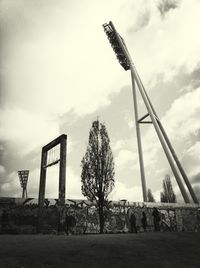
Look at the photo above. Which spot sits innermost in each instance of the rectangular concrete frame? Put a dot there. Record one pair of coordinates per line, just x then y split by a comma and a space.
62, 140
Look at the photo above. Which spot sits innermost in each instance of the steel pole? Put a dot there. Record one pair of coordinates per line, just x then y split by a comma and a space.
23, 193
182, 171
152, 115
160, 136
139, 143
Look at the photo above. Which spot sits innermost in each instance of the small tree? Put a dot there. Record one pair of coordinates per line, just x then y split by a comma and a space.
150, 197
98, 169
168, 195
197, 192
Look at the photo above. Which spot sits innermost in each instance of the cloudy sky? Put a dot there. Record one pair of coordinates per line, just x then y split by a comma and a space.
58, 73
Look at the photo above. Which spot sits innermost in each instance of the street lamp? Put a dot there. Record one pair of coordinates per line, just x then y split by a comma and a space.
126, 62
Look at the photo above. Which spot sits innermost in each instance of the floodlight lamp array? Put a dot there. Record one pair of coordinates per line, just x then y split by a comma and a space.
23, 177
112, 37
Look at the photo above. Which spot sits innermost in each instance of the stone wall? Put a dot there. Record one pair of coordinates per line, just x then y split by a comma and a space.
80, 216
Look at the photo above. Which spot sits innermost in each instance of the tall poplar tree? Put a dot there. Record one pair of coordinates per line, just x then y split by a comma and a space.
98, 169
168, 195
150, 196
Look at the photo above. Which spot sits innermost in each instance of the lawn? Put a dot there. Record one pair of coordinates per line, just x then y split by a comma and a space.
105, 251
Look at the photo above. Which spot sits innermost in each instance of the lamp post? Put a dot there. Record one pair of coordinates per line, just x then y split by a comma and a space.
125, 60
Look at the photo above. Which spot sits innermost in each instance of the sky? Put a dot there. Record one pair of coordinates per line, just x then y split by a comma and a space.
58, 74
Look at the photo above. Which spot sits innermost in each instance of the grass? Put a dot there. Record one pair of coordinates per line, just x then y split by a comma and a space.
105, 251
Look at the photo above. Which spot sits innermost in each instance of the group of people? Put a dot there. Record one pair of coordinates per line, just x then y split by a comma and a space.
156, 221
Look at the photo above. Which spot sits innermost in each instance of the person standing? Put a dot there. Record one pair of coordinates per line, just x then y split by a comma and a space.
70, 223
144, 221
156, 219
133, 223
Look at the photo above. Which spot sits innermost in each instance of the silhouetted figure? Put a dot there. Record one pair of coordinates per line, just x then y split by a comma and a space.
165, 223
133, 223
70, 223
144, 221
4, 220
156, 219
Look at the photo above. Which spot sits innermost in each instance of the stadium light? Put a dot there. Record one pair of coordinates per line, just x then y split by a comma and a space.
124, 58
23, 178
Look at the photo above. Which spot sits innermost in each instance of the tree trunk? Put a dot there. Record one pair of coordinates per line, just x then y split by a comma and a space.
101, 219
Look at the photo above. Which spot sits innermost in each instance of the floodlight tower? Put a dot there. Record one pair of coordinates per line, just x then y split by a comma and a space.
125, 60
23, 178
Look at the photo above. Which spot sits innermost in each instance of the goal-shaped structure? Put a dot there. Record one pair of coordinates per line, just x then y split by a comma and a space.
62, 140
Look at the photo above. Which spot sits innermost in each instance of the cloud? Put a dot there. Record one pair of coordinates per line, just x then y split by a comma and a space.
11, 187
172, 43
50, 65
197, 191
194, 150
2, 169
122, 192
183, 115
118, 145
142, 20
73, 184
191, 159
25, 130
165, 6
196, 178
125, 157
40, 64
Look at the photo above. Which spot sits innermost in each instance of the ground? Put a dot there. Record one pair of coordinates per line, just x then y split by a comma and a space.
105, 251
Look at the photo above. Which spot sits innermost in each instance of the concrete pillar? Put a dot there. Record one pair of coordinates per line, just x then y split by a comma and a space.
42, 178
62, 171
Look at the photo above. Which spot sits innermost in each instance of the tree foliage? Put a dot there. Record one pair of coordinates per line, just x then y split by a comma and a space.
150, 197
196, 189
168, 195
98, 169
